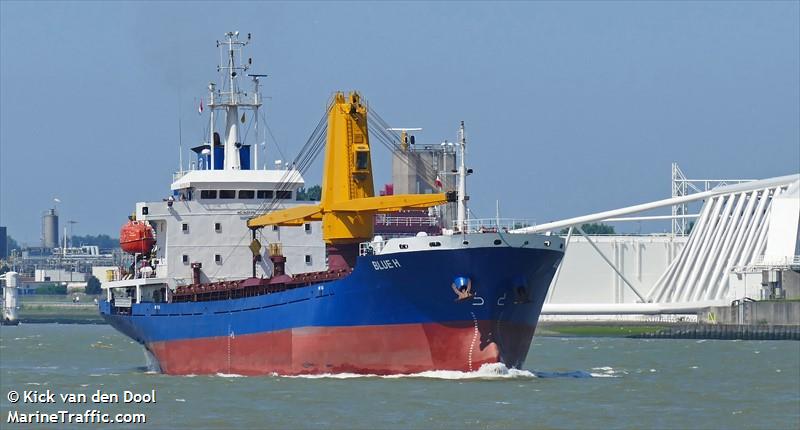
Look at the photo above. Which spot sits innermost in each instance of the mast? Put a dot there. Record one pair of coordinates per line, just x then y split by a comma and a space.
462, 182
211, 105
232, 100
180, 144
258, 138
257, 103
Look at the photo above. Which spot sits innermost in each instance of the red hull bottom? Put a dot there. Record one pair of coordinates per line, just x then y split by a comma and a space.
384, 349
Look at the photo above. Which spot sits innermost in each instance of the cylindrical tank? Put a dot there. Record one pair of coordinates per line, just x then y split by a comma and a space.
50, 229
10, 292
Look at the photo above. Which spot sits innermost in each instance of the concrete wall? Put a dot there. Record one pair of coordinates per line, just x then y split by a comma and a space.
791, 284
772, 313
586, 278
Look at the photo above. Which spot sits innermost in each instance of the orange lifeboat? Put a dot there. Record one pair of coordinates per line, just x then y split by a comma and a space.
136, 237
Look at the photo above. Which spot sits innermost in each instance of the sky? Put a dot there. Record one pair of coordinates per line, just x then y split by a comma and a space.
570, 107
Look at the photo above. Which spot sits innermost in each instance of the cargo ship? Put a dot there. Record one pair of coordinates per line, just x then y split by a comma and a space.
232, 274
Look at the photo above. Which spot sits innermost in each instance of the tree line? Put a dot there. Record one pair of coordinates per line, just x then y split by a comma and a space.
593, 228
102, 241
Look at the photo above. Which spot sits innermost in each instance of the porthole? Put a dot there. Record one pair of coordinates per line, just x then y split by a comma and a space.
498, 241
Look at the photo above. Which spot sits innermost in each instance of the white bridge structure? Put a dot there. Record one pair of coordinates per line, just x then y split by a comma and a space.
744, 227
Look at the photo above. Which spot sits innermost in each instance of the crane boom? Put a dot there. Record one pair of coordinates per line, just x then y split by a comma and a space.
348, 202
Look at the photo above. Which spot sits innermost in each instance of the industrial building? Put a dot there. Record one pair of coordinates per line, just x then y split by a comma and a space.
586, 278
57, 262
425, 169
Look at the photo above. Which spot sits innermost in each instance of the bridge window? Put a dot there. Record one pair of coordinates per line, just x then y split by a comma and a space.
264, 194
208, 194
362, 160
227, 194
247, 194
283, 195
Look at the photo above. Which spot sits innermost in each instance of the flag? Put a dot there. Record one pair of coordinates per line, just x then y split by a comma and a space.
200, 107
438, 182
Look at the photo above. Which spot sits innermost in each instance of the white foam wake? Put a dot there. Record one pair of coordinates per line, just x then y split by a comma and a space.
607, 372
229, 375
487, 371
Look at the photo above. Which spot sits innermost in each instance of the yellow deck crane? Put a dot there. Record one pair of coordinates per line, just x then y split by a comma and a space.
348, 202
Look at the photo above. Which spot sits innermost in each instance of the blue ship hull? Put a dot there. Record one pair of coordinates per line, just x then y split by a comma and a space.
396, 313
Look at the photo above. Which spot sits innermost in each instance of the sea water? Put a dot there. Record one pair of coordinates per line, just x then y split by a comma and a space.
567, 383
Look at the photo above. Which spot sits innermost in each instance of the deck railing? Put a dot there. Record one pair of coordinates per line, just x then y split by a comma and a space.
493, 225
406, 221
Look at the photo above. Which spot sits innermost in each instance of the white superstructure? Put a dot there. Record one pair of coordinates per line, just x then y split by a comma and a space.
207, 224
200, 228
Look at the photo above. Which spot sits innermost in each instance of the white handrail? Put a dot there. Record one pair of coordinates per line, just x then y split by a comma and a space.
600, 216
